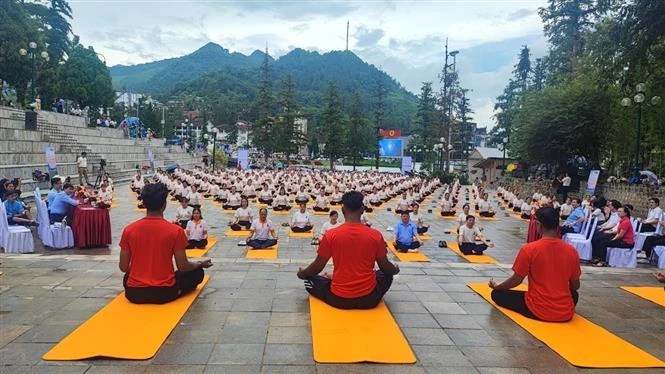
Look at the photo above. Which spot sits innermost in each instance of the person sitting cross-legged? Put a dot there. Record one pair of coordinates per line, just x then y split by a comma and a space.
16, 214
553, 269
281, 202
484, 208
321, 202
266, 195
183, 213
148, 248
331, 224
197, 231
467, 236
403, 205
406, 235
234, 200
417, 218
300, 221
262, 232
243, 217
354, 248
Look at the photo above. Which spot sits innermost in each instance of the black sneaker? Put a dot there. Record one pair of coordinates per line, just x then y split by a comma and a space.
442, 244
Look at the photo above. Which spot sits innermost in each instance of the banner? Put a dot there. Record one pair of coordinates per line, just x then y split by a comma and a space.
593, 180
50, 161
390, 134
151, 158
407, 164
243, 158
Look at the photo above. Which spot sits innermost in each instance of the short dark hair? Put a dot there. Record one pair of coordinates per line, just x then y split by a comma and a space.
10, 193
154, 196
353, 201
84, 154
333, 213
548, 217
615, 204
67, 185
655, 200
55, 180
470, 216
577, 199
263, 210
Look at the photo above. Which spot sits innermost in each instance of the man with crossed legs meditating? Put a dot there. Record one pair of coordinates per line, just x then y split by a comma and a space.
147, 249
262, 232
553, 268
354, 249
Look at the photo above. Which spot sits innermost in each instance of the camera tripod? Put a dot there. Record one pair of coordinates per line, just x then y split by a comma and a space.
100, 177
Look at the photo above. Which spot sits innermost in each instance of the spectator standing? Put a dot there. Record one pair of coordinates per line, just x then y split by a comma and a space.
82, 164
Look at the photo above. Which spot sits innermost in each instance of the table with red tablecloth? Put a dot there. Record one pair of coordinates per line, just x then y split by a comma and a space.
91, 227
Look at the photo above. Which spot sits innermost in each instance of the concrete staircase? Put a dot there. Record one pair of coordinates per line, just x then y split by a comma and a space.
22, 151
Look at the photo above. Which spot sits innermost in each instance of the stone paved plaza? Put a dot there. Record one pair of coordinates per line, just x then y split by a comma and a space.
253, 316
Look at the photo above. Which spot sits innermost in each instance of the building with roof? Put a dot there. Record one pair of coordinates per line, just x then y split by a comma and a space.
487, 163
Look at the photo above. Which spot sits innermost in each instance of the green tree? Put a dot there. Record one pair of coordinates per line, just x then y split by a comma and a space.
263, 130
289, 137
357, 143
379, 112
84, 79
333, 125
522, 71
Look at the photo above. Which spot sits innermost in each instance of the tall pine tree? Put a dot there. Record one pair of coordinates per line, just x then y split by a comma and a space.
262, 133
378, 121
356, 141
289, 137
333, 125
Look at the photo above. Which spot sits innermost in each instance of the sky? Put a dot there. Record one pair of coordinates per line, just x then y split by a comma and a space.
403, 38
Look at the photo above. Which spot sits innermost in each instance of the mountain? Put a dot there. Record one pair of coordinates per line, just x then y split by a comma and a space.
212, 71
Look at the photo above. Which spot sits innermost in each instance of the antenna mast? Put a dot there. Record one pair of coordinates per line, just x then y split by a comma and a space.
347, 35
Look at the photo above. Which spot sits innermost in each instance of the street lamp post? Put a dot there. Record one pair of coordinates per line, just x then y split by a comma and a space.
503, 162
32, 51
639, 100
214, 131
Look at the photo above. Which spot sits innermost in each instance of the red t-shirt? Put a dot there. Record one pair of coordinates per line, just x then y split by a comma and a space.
628, 237
151, 242
550, 264
354, 249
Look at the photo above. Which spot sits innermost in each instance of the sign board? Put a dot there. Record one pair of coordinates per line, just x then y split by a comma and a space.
50, 161
391, 134
390, 147
593, 180
407, 164
243, 158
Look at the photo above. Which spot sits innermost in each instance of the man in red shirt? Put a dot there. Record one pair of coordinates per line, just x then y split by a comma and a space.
147, 249
553, 268
354, 249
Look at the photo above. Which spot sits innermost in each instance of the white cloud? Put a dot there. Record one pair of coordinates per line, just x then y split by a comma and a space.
403, 37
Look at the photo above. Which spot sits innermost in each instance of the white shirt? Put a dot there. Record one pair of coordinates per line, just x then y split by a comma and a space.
300, 219
461, 218
483, 206
327, 226
416, 218
321, 201
183, 214
468, 235
82, 162
565, 182
194, 198
446, 205
105, 196
234, 199
566, 209
261, 229
244, 214
281, 200
197, 231
526, 209
654, 215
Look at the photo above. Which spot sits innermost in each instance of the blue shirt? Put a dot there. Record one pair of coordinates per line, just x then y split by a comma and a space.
61, 204
404, 232
51, 195
13, 208
576, 214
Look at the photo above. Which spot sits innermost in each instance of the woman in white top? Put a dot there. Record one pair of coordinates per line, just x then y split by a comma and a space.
266, 196
248, 191
525, 209
321, 202
104, 196
195, 198
374, 198
281, 201
234, 200
262, 232
447, 206
222, 195
300, 221
336, 198
331, 224
485, 210
416, 218
197, 231
243, 217
302, 196
403, 205
183, 213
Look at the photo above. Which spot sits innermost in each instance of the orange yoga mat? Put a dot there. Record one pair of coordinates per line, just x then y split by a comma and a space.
241, 233
201, 252
653, 294
424, 237
262, 254
495, 218
409, 256
124, 330
228, 211
347, 336
309, 234
281, 212
321, 213
437, 213
580, 341
474, 259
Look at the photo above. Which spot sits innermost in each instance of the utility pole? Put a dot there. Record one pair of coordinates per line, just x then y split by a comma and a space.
444, 100
347, 35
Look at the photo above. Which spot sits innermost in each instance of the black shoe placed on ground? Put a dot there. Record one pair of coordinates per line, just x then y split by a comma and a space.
442, 244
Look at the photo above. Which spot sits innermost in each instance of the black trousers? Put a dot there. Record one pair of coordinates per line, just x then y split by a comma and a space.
230, 207
566, 230
319, 287
369, 209
184, 282
599, 240
241, 225
647, 227
486, 214
265, 201
183, 223
200, 244
651, 242
281, 208
307, 228
261, 243
423, 229
514, 300
403, 247
600, 252
448, 214
319, 209
473, 248
401, 211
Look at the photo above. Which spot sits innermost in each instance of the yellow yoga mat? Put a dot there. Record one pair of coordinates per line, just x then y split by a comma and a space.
201, 252
262, 254
321, 213
450, 218
487, 218
409, 256
261, 205
653, 294
281, 212
308, 234
114, 205
241, 233
474, 259
424, 237
579, 341
347, 336
228, 211
137, 209
124, 330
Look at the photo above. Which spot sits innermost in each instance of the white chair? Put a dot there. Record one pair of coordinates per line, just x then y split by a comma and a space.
583, 246
52, 235
658, 256
640, 237
584, 231
623, 257
14, 239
